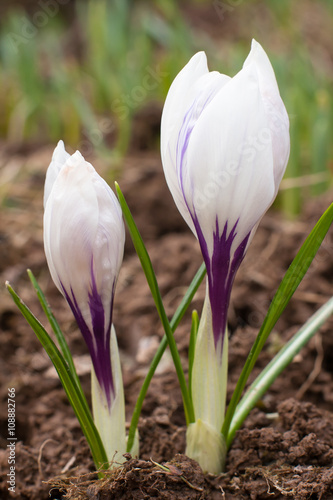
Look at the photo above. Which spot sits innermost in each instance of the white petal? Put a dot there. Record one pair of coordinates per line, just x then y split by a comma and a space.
59, 158
178, 122
259, 57
175, 101
83, 225
276, 112
173, 111
238, 143
230, 163
70, 225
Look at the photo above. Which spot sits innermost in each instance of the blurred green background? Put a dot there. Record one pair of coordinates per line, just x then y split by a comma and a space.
95, 73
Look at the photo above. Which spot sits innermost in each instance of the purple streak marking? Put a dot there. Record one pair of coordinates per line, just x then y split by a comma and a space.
190, 119
222, 265
102, 334
221, 270
98, 341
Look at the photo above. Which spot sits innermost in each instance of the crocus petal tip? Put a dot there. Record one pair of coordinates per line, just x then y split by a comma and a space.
200, 55
254, 44
60, 153
199, 59
75, 159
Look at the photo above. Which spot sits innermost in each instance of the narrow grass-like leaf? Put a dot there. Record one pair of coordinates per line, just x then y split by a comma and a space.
191, 349
181, 309
187, 299
59, 335
53, 322
75, 398
288, 285
152, 282
276, 367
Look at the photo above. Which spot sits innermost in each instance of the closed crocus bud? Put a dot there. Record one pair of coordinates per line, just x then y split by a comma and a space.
224, 146
84, 239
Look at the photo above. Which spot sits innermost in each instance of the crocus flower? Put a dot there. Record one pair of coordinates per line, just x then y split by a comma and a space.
224, 146
84, 239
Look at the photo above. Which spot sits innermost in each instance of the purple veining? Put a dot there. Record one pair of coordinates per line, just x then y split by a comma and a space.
190, 119
98, 341
221, 267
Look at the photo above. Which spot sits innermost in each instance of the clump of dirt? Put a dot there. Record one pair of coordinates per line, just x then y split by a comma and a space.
293, 455
301, 435
290, 457
140, 479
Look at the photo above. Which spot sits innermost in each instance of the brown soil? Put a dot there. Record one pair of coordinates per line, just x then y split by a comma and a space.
285, 448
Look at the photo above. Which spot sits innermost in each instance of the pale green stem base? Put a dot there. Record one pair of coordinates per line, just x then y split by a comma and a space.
207, 446
110, 422
204, 441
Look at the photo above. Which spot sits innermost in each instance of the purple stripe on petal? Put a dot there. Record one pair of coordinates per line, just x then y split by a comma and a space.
190, 119
183, 140
98, 341
102, 335
71, 299
222, 265
221, 270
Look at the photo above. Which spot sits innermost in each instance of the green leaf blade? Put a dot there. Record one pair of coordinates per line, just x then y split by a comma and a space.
53, 322
59, 335
69, 384
152, 282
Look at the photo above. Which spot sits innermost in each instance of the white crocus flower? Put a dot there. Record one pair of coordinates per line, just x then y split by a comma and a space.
225, 146
84, 240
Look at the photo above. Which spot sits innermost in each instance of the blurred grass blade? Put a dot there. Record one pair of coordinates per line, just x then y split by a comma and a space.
288, 285
74, 395
181, 309
59, 335
152, 282
276, 367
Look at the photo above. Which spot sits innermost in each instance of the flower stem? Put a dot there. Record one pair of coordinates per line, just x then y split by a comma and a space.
187, 299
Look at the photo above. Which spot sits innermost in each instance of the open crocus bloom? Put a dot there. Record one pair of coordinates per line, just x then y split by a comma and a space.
84, 239
224, 146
